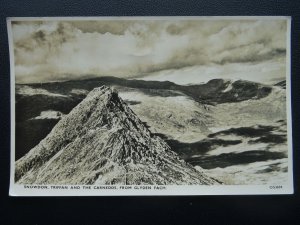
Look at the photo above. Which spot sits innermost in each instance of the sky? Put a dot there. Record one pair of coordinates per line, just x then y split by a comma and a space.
182, 51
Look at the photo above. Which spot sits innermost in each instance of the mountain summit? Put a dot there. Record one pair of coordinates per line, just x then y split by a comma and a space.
102, 141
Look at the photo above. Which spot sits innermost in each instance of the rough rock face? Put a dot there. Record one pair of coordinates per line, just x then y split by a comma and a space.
102, 141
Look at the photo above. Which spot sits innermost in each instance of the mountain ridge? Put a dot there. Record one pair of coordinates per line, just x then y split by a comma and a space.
212, 92
102, 141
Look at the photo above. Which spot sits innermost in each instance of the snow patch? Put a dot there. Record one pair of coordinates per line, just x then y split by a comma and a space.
49, 114
29, 91
79, 92
218, 129
228, 88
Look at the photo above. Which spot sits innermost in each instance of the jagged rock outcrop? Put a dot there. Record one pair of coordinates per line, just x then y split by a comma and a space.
102, 141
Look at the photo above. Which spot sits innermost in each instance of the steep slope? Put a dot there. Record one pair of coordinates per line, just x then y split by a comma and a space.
101, 141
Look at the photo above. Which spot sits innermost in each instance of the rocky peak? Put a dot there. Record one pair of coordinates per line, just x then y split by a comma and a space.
102, 141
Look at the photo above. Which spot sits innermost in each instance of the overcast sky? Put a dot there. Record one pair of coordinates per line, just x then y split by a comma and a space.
64, 50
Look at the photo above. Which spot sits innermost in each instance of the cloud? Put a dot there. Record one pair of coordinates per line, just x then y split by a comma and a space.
56, 50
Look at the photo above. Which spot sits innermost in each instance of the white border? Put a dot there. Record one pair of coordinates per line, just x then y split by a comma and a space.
20, 190
289, 104
12, 108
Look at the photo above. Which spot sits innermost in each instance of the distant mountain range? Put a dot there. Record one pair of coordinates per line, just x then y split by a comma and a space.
213, 92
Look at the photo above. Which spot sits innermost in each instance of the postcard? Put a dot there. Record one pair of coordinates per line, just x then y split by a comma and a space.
110, 106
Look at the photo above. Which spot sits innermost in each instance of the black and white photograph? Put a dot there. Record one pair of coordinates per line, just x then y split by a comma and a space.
150, 106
